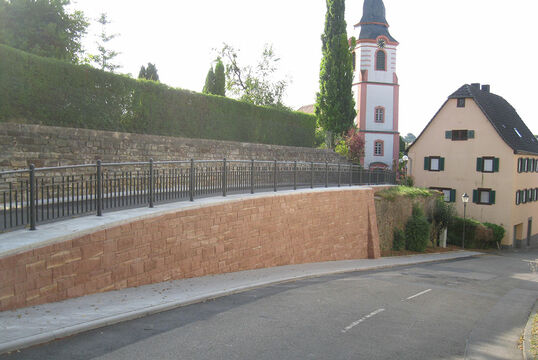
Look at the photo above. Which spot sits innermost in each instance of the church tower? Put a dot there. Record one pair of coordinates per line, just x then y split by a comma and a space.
376, 88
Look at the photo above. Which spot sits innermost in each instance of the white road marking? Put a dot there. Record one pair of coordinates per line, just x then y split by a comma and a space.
352, 325
417, 295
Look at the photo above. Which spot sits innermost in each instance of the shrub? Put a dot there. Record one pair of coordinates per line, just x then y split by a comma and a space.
477, 235
55, 93
417, 230
398, 242
498, 232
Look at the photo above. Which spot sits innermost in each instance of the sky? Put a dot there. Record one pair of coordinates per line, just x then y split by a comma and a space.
443, 45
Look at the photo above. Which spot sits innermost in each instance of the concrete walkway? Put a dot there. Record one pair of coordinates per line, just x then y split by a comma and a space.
39, 324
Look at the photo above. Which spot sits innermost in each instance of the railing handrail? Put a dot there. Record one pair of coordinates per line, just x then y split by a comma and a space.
90, 192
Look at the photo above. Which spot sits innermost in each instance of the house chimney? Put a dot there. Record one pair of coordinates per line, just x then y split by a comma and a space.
486, 88
476, 86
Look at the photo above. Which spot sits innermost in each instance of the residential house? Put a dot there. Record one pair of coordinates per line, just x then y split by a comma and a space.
477, 144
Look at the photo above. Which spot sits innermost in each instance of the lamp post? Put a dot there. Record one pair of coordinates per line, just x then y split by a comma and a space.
465, 199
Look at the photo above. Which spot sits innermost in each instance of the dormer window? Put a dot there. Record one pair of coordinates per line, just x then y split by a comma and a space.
381, 61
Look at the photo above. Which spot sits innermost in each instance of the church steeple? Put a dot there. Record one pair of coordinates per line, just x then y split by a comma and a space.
374, 22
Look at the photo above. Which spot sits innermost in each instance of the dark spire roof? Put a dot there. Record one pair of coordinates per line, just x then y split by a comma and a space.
502, 116
373, 22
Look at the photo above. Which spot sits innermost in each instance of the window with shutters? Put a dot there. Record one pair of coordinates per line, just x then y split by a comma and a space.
381, 60
460, 135
379, 114
487, 164
461, 102
484, 196
378, 148
434, 163
449, 195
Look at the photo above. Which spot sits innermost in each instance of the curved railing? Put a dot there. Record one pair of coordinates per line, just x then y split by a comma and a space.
39, 195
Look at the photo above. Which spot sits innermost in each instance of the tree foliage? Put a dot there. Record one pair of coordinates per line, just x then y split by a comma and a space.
335, 107
43, 27
254, 84
410, 138
46, 91
209, 87
220, 79
417, 230
149, 72
103, 59
351, 146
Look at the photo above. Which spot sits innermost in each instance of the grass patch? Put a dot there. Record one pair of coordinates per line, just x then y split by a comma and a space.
397, 191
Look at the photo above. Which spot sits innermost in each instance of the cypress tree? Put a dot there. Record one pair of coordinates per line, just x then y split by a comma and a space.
220, 79
335, 107
149, 73
209, 87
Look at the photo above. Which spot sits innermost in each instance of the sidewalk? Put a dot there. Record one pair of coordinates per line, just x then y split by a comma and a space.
39, 324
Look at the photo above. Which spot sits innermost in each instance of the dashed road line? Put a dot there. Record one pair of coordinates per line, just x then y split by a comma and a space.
417, 295
352, 325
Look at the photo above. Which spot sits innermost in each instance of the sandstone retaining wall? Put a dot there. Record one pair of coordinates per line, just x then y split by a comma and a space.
269, 231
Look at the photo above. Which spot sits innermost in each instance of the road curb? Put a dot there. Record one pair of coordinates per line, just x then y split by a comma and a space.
527, 334
38, 339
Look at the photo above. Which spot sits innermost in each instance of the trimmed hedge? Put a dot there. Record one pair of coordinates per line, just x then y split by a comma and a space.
417, 230
50, 92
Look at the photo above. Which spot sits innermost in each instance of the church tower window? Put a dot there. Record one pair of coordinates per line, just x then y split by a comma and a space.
381, 61
379, 114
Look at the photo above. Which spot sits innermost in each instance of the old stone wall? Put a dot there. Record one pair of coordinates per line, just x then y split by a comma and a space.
45, 146
393, 214
268, 231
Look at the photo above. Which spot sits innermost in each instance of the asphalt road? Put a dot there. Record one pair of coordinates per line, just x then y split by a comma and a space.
473, 308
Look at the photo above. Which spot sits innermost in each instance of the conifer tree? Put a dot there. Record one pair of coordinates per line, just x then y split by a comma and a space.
209, 87
335, 107
220, 79
149, 72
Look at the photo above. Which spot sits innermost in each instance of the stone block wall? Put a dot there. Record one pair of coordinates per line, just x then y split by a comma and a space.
46, 146
268, 231
394, 214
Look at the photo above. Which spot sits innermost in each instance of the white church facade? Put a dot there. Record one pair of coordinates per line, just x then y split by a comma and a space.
376, 88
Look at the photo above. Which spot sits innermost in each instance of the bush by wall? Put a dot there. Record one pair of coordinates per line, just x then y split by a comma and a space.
49, 92
398, 243
417, 231
477, 235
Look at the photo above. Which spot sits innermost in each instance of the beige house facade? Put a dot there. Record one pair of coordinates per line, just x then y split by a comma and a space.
477, 144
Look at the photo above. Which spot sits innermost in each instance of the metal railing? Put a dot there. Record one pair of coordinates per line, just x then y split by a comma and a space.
39, 195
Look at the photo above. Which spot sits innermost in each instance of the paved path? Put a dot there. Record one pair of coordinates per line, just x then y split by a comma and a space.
40, 324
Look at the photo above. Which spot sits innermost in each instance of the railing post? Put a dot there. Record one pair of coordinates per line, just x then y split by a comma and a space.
295, 175
191, 181
99, 189
224, 177
311, 175
350, 175
32, 197
252, 176
150, 184
275, 174
339, 174
326, 174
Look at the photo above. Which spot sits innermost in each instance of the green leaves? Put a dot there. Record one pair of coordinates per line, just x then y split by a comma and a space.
43, 27
50, 92
335, 107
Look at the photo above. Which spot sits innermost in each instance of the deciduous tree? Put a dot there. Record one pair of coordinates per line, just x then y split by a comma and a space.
43, 27
254, 84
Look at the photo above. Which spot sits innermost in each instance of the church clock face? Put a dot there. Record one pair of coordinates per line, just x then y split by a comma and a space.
381, 43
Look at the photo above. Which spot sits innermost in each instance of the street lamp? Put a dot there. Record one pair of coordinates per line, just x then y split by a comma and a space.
465, 199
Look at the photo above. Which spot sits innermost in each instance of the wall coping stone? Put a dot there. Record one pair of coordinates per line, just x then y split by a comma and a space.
23, 240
